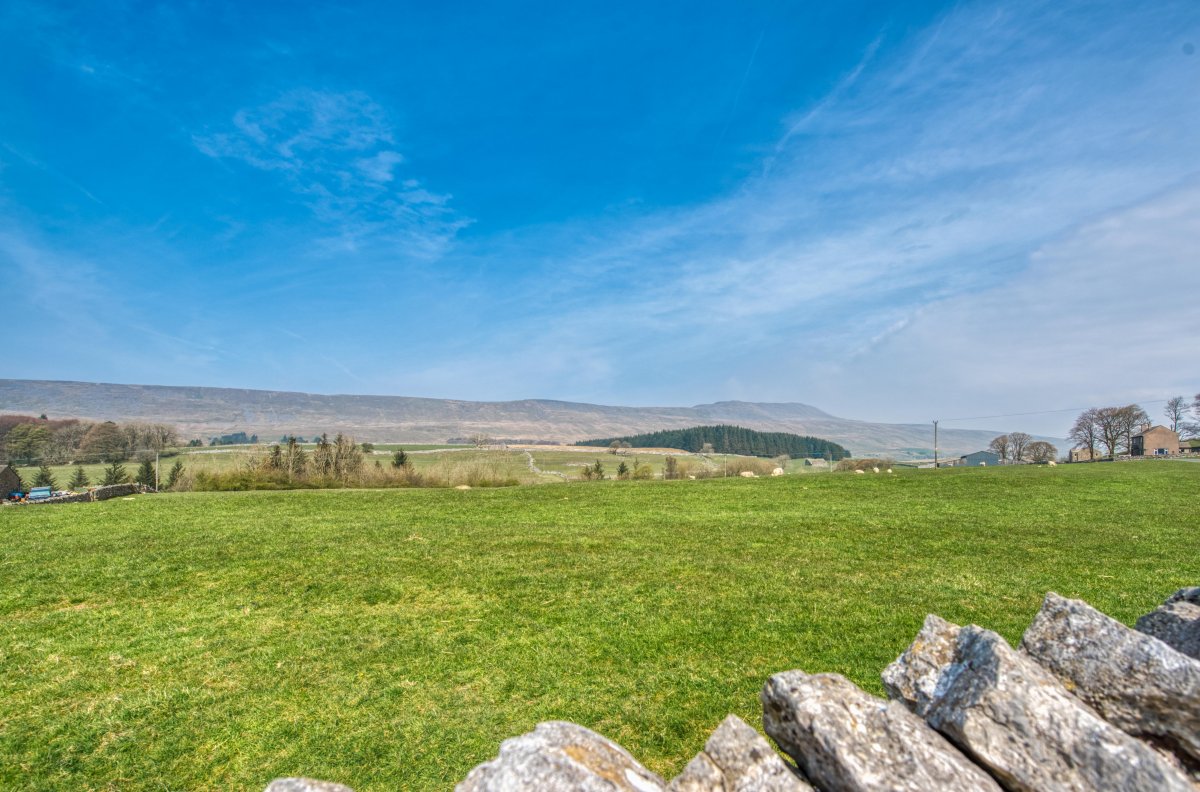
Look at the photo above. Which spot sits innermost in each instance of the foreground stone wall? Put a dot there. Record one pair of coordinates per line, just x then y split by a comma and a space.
97, 494
1084, 703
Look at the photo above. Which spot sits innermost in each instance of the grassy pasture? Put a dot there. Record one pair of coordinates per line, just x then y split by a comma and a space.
391, 639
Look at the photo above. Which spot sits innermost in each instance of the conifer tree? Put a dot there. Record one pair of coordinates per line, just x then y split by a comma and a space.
80, 479
115, 473
399, 459
145, 473
44, 478
175, 474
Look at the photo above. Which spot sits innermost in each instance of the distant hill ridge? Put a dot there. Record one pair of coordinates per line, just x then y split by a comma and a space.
205, 412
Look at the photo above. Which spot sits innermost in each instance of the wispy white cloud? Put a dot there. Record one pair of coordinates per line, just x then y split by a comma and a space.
380, 167
34, 162
336, 152
839, 91
1102, 315
86, 320
932, 171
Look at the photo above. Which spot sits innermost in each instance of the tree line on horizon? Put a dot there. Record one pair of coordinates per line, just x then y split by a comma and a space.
729, 439
1017, 447
25, 439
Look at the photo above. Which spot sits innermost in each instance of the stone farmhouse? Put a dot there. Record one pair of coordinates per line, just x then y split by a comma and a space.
1155, 441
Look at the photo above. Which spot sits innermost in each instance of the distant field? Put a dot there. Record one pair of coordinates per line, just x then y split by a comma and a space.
391, 639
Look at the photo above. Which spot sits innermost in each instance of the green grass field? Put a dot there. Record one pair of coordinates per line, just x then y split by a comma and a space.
391, 639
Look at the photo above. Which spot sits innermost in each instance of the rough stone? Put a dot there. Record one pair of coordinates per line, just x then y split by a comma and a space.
1135, 681
305, 785
737, 759
558, 756
913, 677
845, 739
1176, 622
1016, 719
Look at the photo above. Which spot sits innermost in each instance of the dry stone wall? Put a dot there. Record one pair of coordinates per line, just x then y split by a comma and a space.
1084, 703
97, 494
1176, 622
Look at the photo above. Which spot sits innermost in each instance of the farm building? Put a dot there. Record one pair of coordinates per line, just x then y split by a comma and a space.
9, 481
1155, 441
816, 463
978, 459
1084, 454
1190, 446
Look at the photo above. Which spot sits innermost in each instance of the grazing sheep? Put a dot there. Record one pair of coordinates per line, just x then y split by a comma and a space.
875, 470
747, 474
777, 472
889, 470
861, 472
1052, 463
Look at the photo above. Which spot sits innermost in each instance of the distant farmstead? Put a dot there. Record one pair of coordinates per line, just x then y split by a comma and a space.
1155, 441
979, 459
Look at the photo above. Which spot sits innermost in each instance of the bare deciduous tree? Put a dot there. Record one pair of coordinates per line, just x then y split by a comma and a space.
1176, 412
1000, 446
1108, 428
1085, 432
347, 457
1132, 419
1116, 427
1041, 451
1018, 446
1188, 429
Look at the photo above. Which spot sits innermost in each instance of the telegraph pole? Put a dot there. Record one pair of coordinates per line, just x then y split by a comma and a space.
935, 447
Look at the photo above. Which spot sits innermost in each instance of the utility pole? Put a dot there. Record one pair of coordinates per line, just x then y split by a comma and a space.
156, 471
935, 448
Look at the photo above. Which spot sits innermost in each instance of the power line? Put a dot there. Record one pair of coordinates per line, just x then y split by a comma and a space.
1040, 412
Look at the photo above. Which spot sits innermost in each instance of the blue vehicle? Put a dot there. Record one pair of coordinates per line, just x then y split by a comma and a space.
39, 493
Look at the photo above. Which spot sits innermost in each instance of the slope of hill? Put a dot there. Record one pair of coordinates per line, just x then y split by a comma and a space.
205, 412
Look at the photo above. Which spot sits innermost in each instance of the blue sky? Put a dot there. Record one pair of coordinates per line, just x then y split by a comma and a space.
891, 211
